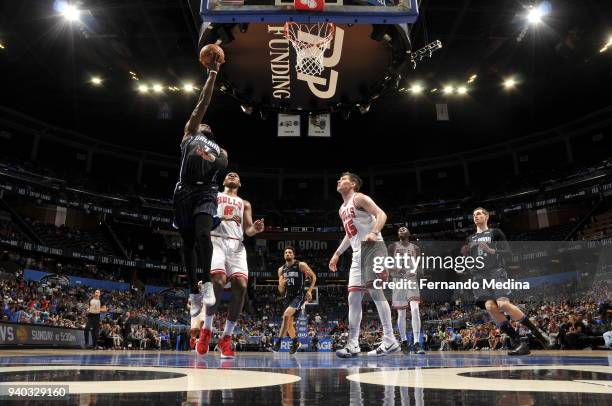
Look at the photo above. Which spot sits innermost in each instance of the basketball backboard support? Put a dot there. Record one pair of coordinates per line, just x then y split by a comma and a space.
336, 11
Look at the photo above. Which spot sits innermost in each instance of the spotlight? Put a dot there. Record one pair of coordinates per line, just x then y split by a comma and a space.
2, 46
364, 109
248, 110
509, 83
96, 81
188, 88
462, 90
602, 50
416, 89
537, 12
143, 89
157, 88
448, 90
472, 78
434, 90
70, 12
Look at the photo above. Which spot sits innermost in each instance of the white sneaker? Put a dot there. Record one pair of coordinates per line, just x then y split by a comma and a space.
196, 304
208, 294
351, 350
384, 349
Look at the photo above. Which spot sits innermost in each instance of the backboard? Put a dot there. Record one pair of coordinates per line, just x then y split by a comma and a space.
336, 11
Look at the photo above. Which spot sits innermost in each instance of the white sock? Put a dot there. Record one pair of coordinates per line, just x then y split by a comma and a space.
229, 328
354, 300
208, 321
401, 323
384, 313
416, 320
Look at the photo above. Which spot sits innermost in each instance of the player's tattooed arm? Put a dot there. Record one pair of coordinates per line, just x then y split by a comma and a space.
251, 228
204, 100
312, 276
281, 281
366, 203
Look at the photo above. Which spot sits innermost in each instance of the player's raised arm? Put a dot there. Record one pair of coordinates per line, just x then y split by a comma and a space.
312, 276
204, 100
366, 203
251, 228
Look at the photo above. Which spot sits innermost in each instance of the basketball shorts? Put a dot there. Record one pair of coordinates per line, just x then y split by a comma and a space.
229, 258
295, 302
401, 298
482, 295
190, 201
362, 274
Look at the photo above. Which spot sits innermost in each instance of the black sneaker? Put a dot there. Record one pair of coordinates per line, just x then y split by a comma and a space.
417, 349
276, 346
405, 347
522, 348
295, 346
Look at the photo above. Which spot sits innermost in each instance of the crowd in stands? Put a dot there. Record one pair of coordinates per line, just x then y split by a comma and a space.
156, 321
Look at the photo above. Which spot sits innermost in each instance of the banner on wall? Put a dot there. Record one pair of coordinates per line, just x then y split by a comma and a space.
15, 334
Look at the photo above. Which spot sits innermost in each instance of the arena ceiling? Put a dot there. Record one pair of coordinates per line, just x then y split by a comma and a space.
46, 65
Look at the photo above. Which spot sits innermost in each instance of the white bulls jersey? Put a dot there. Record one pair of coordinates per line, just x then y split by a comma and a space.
357, 223
399, 248
229, 206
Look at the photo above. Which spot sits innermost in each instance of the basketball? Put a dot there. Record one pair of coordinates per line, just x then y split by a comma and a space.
206, 54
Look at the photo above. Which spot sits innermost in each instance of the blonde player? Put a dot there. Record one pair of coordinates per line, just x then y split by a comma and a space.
363, 220
229, 261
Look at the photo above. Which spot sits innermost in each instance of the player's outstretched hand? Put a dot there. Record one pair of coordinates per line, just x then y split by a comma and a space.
308, 297
333, 263
215, 65
259, 225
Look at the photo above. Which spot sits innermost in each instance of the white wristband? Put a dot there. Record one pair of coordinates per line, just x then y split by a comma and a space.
213, 71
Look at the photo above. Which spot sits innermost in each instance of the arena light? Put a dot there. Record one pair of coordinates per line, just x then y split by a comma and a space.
416, 88
472, 78
157, 88
364, 109
462, 90
509, 83
448, 90
96, 81
2, 46
536, 13
248, 110
143, 89
435, 89
188, 88
69, 11
602, 50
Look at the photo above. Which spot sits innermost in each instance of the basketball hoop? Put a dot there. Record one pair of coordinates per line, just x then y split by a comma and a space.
310, 40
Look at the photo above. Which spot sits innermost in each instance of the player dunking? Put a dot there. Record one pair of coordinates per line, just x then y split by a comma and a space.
404, 298
492, 246
291, 282
195, 196
229, 261
363, 220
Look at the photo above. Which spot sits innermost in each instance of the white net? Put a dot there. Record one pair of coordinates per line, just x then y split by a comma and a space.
310, 42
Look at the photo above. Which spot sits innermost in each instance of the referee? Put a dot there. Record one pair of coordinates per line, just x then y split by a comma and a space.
93, 319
